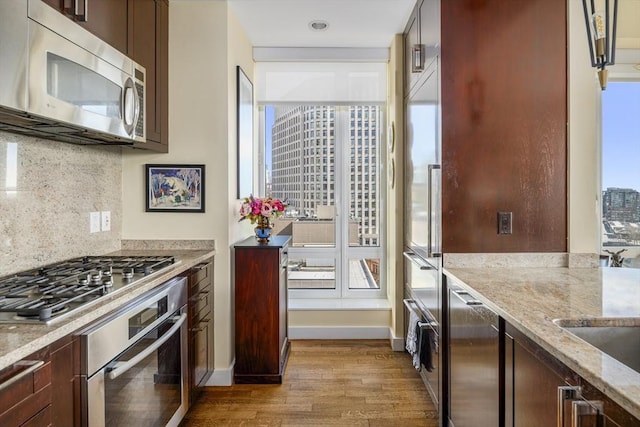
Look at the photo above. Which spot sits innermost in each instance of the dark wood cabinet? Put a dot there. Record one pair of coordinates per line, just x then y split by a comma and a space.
504, 125
107, 19
200, 321
65, 381
41, 390
421, 40
503, 115
148, 44
262, 345
560, 394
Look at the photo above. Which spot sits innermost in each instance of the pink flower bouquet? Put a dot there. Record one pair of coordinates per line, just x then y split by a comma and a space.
257, 209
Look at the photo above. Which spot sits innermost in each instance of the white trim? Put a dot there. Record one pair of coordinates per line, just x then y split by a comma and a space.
222, 377
338, 332
320, 54
397, 343
338, 304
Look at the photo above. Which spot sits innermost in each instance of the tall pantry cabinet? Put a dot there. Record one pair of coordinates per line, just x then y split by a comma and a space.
503, 119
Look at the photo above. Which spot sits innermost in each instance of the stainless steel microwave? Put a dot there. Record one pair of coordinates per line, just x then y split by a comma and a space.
59, 81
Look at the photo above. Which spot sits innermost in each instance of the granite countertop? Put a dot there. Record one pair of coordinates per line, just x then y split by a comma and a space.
17, 341
531, 298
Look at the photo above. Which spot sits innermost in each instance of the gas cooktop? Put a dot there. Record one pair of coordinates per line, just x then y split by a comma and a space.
50, 293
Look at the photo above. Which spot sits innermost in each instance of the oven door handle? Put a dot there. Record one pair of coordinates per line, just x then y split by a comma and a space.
147, 351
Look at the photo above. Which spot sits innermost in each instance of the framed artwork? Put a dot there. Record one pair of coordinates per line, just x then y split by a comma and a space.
245, 134
174, 188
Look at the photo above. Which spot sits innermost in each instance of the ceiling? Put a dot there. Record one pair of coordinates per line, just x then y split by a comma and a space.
352, 23
368, 23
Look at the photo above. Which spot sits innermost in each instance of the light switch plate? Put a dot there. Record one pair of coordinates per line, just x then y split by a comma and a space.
94, 222
505, 222
106, 220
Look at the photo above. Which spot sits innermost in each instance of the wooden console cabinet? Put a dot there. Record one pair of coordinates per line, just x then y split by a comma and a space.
262, 346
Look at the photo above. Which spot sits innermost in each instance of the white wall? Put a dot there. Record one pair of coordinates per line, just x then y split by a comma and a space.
584, 152
205, 45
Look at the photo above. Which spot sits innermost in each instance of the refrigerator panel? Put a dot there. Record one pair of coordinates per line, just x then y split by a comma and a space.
422, 167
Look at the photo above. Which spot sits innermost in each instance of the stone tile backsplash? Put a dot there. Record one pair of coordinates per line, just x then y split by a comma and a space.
47, 190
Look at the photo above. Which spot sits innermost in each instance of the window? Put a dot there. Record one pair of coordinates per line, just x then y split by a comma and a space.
333, 217
620, 158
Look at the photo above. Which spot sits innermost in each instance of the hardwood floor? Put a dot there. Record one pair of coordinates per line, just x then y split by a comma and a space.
336, 383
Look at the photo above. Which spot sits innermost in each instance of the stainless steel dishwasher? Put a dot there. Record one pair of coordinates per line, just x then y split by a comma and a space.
474, 362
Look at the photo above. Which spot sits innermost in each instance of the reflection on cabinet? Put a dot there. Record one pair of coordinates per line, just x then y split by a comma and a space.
560, 394
149, 46
41, 390
474, 361
107, 19
262, 346
200, 322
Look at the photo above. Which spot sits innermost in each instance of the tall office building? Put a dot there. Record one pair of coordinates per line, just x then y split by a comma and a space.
304, 150
621, 204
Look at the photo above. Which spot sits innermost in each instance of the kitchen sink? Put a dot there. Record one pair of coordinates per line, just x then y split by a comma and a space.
617, 337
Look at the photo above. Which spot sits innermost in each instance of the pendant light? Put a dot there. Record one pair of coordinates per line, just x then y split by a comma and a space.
601, 18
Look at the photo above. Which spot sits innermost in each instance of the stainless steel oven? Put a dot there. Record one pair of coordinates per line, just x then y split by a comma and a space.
134, 363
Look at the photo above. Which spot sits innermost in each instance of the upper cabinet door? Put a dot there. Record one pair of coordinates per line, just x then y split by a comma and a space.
421, 41
430, 30
149, 46
106, 19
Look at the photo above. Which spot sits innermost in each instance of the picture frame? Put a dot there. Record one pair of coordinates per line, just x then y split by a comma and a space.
245, 133
174, 188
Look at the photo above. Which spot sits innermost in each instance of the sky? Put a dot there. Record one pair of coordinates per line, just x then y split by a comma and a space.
269, 117
621, 135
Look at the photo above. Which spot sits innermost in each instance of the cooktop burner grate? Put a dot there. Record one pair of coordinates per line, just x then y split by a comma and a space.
43, 293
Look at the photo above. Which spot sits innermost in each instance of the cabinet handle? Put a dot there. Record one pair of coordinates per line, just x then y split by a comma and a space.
422, 265
417, 65
33, 365
565, 393
201, 266
583, 408
468, 301
80, 10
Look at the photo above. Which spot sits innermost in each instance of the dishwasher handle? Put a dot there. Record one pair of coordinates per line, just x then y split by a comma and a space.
147, 351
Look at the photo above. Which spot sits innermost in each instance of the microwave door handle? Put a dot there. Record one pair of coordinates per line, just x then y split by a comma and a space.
147, 351
431, 251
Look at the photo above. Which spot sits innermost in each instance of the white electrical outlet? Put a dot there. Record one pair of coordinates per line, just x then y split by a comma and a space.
106, 220
94, 222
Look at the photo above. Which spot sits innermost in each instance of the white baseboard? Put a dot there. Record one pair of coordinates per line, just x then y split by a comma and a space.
338, 332
222, 377
397, 343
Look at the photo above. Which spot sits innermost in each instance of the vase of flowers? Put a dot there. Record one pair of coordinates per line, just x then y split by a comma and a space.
260, 211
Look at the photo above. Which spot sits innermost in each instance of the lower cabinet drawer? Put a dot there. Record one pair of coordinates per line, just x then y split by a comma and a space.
26, 393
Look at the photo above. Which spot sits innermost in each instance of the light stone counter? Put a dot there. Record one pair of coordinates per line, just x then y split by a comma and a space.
531, 298
19, 340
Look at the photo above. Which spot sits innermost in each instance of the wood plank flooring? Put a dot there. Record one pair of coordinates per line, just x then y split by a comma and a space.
326, 383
